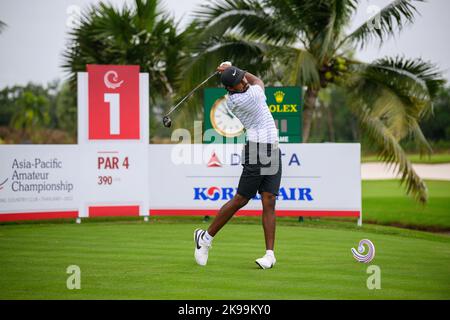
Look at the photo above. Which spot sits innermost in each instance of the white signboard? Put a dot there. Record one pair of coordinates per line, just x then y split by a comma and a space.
47, 181
113, 137
317, 179
38, 182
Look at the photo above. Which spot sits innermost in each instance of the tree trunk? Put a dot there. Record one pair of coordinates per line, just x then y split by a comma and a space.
331, 131
308, 110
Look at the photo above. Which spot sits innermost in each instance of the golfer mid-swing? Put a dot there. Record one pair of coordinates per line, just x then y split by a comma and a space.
261, 161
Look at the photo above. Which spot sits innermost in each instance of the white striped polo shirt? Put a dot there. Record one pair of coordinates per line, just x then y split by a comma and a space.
251, 109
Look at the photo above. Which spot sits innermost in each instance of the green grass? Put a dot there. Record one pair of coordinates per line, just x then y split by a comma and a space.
125, 258
137, 260
384, 202
415, 158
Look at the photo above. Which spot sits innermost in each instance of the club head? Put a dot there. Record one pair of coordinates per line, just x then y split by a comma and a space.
167, 121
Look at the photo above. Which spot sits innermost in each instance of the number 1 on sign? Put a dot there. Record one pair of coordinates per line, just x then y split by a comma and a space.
114, 112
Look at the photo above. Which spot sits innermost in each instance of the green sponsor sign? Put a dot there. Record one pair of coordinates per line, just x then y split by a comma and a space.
284, 103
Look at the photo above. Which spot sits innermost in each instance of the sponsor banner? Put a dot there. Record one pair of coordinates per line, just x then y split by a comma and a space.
43, 180
285, 104
58, 181
318, 179
49, 181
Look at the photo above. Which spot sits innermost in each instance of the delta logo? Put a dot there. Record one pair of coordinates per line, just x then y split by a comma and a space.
235, 160
226, 193
285, 108
214, 162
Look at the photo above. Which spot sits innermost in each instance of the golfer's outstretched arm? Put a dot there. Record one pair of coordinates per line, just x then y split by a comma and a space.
252, 80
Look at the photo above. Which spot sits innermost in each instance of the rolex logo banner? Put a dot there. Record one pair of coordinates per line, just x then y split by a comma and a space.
285, 104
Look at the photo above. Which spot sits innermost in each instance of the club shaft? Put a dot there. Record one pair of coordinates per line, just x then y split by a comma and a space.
190, 93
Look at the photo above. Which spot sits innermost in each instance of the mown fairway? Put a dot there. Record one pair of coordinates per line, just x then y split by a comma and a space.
137, 260
385, 202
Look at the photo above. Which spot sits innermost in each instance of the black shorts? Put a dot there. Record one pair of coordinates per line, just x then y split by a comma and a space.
261, 169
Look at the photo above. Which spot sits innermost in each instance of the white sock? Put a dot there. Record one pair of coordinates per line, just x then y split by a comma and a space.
207, 237
270, 253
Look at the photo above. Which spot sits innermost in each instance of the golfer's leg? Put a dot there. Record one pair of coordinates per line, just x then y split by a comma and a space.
226, 212
268, 218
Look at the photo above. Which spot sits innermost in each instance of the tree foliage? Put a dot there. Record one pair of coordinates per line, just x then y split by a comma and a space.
142, 34
309, 42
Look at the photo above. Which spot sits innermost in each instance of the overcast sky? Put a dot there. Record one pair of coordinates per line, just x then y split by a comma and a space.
32, 44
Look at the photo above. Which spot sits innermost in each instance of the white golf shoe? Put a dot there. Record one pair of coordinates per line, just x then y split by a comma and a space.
266, 262
201, 247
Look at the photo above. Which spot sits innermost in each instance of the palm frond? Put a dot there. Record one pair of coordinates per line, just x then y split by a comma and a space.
340, 12
397, 90
141, 35
146, 14
426, 73
390, 96
241, 51
419, 139
301, 67
247, 17
312, 16
390, 20
326, 37
392, 153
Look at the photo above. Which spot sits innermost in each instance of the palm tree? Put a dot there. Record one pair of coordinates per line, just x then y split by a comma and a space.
142, 35
306, 43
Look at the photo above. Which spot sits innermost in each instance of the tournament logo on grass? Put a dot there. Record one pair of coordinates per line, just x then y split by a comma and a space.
359, 254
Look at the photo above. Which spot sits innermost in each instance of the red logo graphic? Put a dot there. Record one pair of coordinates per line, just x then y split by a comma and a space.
3, 183
115, 78
214, 161
113, 102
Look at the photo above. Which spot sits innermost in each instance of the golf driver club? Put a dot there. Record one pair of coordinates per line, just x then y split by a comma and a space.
166, 119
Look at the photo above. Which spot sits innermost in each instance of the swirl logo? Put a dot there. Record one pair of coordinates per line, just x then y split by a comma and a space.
359, 254
115, 78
